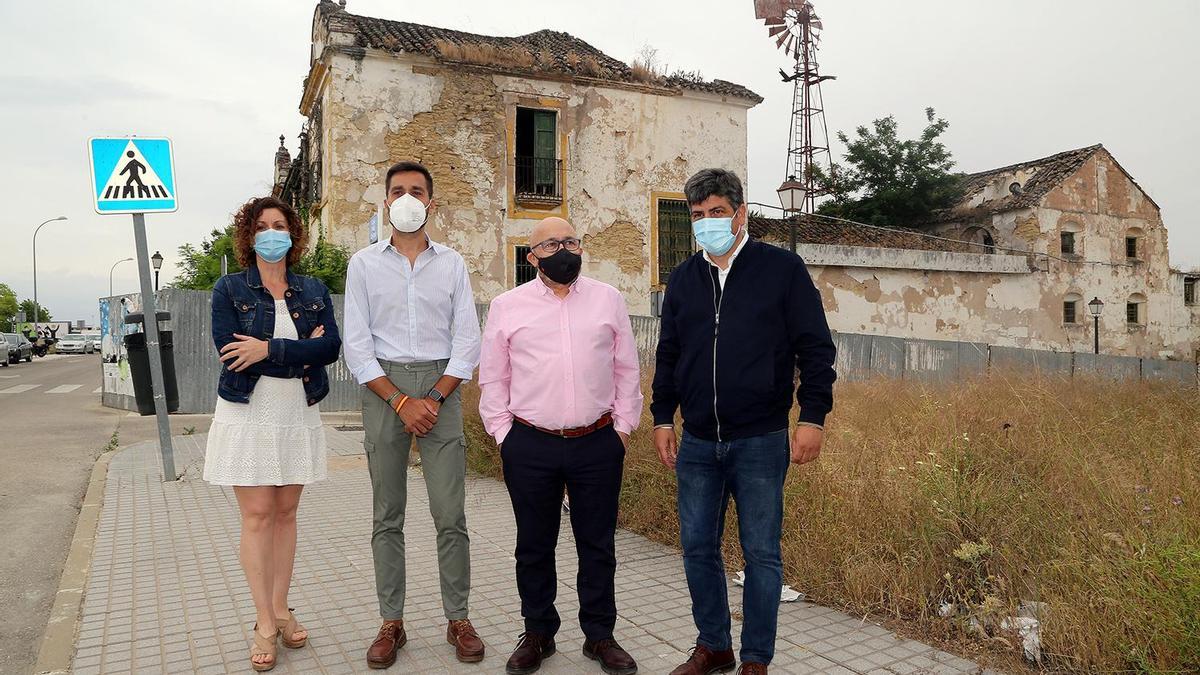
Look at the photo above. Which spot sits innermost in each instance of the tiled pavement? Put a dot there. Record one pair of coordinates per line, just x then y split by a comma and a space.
166, 594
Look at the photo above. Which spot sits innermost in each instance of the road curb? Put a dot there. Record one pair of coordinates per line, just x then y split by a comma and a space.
58, 642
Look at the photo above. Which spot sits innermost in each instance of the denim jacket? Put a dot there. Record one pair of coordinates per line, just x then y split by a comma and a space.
240, 304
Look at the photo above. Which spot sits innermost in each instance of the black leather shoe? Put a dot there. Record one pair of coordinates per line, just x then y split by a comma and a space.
613, 660
532, 649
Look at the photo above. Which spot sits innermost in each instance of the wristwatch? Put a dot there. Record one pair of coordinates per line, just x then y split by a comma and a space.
436, 395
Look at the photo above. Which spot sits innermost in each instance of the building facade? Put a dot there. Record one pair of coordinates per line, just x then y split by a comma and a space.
513, 130
1016, 263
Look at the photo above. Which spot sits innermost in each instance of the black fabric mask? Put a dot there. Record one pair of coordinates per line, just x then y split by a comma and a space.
562, 267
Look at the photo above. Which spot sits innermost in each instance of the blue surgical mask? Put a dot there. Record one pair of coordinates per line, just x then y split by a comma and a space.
715, 235
272, 245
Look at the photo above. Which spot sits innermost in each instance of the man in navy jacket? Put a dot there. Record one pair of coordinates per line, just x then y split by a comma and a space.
739, 319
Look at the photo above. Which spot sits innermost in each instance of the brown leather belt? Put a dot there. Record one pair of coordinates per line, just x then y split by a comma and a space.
577, 432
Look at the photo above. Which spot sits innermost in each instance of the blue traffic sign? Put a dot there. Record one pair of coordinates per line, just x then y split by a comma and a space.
133, 175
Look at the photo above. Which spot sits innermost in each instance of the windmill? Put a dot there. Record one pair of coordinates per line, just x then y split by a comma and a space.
796, 29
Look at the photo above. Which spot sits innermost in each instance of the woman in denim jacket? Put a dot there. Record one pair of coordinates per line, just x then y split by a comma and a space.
275, 332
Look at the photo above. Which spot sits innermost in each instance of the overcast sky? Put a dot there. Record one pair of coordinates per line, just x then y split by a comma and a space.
1017, 80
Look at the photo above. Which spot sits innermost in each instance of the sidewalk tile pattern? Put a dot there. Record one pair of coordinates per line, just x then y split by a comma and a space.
166, 592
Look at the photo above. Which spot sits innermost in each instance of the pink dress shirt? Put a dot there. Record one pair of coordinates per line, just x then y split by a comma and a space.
559, 363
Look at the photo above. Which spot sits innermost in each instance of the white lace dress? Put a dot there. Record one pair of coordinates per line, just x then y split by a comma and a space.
275, 439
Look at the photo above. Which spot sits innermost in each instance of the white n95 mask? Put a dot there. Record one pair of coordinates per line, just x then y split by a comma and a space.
407, 214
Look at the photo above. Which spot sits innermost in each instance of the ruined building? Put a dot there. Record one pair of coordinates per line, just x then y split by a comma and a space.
514, 129
1014, 263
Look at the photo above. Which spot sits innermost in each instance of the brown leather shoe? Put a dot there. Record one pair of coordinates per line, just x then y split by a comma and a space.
532, 649
382, 652
613, 660
468, 648
752, 669
705, 661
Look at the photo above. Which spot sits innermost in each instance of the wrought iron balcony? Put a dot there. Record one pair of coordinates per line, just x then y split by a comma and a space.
539, 181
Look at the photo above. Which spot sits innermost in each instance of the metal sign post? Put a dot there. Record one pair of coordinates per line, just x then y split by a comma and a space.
136, 175
150, 315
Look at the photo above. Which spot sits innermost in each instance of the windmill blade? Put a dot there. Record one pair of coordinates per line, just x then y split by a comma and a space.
765, 8
774, 21
776, 30
816, 23
782, 38
790, 43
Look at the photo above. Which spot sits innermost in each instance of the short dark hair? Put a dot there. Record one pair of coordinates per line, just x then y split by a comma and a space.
405, 167
714, 182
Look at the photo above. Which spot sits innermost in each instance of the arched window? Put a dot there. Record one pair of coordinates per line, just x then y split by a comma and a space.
982, 236
1135, 310
1134, 244
1072, 308
1070, 240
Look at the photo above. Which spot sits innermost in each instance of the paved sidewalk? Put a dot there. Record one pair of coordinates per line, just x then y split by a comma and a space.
166, 593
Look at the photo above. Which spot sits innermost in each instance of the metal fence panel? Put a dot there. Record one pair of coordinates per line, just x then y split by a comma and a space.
1179, 372
972, 358
887, 357
859, 357
853, 357
930, 360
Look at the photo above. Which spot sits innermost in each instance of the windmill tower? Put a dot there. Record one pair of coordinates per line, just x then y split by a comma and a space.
797, 31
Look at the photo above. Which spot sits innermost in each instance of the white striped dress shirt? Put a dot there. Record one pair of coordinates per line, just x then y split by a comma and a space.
407, 313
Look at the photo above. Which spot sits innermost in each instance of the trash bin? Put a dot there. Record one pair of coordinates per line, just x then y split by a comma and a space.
139, 364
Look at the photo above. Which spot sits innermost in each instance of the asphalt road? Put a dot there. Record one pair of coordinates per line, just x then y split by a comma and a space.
52, 429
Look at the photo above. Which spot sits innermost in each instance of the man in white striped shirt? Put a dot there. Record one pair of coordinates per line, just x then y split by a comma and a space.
411, 337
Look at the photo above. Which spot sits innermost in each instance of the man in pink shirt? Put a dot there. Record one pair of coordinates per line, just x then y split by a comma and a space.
561, 394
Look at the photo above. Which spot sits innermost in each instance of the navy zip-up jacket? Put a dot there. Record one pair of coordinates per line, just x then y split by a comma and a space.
240, 304
728, 359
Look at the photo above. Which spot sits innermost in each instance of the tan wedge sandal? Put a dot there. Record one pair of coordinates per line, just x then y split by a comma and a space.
263, 645
289, 627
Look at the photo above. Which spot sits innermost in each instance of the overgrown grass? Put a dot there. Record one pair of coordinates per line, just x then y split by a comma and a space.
1082, 495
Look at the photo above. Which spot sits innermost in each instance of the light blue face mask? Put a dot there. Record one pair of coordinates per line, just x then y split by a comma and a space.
715, 235
272, 245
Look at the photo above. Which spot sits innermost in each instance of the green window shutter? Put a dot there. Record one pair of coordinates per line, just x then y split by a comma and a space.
674, 236
544, 124
544, 147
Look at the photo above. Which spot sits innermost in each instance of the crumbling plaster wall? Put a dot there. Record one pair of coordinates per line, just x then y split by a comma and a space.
620, 144
1104, 205
1015, 310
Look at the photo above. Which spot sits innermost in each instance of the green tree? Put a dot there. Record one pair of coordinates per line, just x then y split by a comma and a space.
43, 313
887, 180
201, 266
326, 262
8, 308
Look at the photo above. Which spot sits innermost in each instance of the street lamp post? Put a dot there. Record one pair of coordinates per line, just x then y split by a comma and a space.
157, 261
1095, 307
37, 310
110, 273
791, 198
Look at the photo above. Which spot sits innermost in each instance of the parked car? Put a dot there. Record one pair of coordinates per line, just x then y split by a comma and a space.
96, 340
3, 353
19, 347
75, 343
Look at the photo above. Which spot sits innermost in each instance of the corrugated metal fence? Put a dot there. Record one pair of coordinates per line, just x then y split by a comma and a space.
860, 357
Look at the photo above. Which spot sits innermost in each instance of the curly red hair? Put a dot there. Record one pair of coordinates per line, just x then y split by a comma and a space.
244, 225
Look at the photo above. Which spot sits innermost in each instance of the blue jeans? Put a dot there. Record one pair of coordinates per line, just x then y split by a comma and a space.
752, 471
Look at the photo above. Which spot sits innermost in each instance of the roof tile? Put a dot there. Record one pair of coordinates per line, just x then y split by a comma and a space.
814, 230
414, 38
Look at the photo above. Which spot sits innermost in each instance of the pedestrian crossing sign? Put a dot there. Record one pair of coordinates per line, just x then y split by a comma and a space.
131, 174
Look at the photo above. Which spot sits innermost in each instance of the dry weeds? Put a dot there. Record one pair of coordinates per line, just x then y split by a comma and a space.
1082, 495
